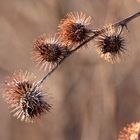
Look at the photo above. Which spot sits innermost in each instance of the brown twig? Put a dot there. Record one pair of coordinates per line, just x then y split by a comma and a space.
122, 23
127, 20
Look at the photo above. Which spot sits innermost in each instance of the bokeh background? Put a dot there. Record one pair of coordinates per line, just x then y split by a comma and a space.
92, 99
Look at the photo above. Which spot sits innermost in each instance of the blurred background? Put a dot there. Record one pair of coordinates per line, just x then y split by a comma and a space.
92, 99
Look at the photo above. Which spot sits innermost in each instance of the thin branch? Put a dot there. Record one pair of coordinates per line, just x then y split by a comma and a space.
127, 20
122, 23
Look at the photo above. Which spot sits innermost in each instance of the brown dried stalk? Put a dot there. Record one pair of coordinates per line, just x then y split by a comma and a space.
123, 23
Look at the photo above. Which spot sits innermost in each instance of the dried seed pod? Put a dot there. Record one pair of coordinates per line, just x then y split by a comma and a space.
48, 52
74, 28
131, 132
26, 101
110, 44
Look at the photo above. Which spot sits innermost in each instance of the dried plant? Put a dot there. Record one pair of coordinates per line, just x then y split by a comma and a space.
26, 100
26, 97
74, 28
110, 44
131, 132
48, 52
113, 30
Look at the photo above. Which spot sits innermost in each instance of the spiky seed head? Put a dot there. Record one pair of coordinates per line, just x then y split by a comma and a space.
26, 101
131, 132
110, 44
74, 28
47, 52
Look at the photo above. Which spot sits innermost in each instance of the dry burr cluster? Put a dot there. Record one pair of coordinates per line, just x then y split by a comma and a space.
48, 52
131, 132
74, 28
110, 44
25, 96
27, 101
